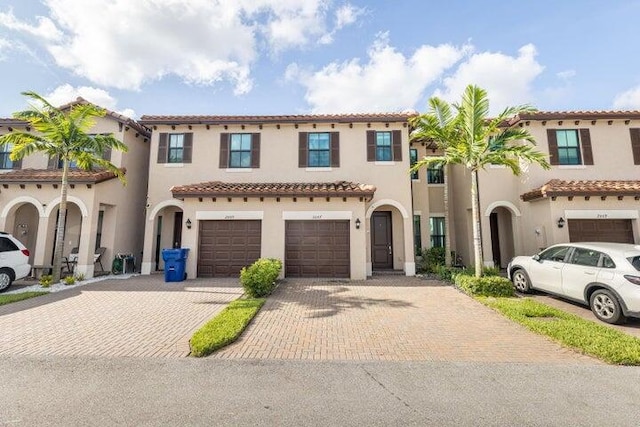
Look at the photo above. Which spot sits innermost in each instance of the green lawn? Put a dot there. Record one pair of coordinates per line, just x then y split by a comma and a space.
226, 327
7, 299
585, 336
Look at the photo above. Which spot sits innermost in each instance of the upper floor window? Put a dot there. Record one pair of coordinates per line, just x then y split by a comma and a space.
240, 150
413, 158
319, 149
175, 147
5, 161
570, 147
384, 146
435, 174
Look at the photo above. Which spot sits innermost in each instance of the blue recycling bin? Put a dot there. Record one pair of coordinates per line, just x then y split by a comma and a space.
175, 264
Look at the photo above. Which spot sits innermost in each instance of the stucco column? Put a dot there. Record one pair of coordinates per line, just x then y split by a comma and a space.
147, 252
86, 249
41, 241
409, 256
487, 249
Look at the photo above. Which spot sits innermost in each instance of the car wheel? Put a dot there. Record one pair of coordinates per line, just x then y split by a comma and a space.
521, 281
606, 307
5, 278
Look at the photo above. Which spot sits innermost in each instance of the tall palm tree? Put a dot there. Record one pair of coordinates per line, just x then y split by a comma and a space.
62, 133
468, 137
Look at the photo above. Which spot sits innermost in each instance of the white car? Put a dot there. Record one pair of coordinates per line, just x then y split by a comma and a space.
14, 260
604, 276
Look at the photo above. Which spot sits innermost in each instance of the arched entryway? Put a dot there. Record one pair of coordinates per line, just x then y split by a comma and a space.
390, 245
168, 220
72, 231
502, 218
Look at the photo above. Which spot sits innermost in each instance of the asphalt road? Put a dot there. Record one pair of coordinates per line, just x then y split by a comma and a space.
142, 392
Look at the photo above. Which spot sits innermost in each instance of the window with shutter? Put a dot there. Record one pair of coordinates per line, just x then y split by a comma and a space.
635, 145
240, 150
318, 150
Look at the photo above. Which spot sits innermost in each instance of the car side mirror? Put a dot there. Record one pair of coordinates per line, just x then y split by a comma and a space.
536, 257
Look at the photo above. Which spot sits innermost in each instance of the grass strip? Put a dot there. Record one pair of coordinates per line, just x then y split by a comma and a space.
583, 335
226, 327
8, 299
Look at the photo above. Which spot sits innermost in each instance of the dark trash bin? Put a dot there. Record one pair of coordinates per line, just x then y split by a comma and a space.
175, 261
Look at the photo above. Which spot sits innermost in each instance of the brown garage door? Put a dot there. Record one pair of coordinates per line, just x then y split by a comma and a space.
317, 249
600, 230
226, 246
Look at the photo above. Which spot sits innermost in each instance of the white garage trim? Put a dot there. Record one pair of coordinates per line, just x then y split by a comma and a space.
601, 214
316, 215
228, 215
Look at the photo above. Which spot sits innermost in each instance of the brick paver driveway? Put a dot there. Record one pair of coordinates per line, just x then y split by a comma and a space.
387, 318
138, 317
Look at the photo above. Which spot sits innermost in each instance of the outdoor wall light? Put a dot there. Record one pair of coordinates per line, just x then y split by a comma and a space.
561, 222
188, 223
358, 223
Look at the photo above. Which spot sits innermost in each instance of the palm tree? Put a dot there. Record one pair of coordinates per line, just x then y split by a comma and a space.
468, 137
62, 133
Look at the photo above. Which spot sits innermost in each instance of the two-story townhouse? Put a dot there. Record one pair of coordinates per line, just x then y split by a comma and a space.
101, 212
591, 192
330, 195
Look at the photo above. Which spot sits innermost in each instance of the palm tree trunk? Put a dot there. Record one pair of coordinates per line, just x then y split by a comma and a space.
447, 228
62, 216
477, 243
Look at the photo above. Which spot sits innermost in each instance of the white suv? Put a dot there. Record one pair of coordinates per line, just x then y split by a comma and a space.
604, 276
14, 260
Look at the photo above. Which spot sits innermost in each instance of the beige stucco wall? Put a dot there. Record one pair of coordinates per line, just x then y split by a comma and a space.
613, 160
124, 206
279, 163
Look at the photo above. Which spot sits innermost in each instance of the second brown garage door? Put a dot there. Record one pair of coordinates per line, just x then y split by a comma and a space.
317, 249
226, 246
601, 230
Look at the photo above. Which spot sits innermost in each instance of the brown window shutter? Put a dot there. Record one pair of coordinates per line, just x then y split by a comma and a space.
162, 148
371, 146
53, 162
17, 164
553, 146
335, 149
396, 141
635, 144
255, 150
106, 155
587, 153
302, 149
224, 150
187, 147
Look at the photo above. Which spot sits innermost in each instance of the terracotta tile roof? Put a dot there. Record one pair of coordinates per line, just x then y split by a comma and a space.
303, 118
118, 117
76, 176
557, 187
274, 189
577, 115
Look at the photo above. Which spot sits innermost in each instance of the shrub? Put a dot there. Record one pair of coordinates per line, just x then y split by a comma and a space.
486, 286
432, 258
258, 280
490, 271
79, 277
69, 280
45, 280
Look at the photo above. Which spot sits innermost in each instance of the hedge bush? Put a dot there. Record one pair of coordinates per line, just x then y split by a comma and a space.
486, 286
258, 280
431, 259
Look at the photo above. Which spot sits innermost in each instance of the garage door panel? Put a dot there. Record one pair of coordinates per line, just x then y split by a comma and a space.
227, 246
317, 248
600, 230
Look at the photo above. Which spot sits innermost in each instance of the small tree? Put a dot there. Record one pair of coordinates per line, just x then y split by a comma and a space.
62, 134
468, 137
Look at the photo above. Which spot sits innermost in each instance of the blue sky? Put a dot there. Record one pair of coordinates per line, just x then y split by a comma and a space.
318, 56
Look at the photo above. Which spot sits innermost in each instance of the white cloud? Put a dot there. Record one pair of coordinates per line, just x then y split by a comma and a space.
628, 100
566, 74
66, 93
389, 81
126, 44
345, 15
5, 46
507, 79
